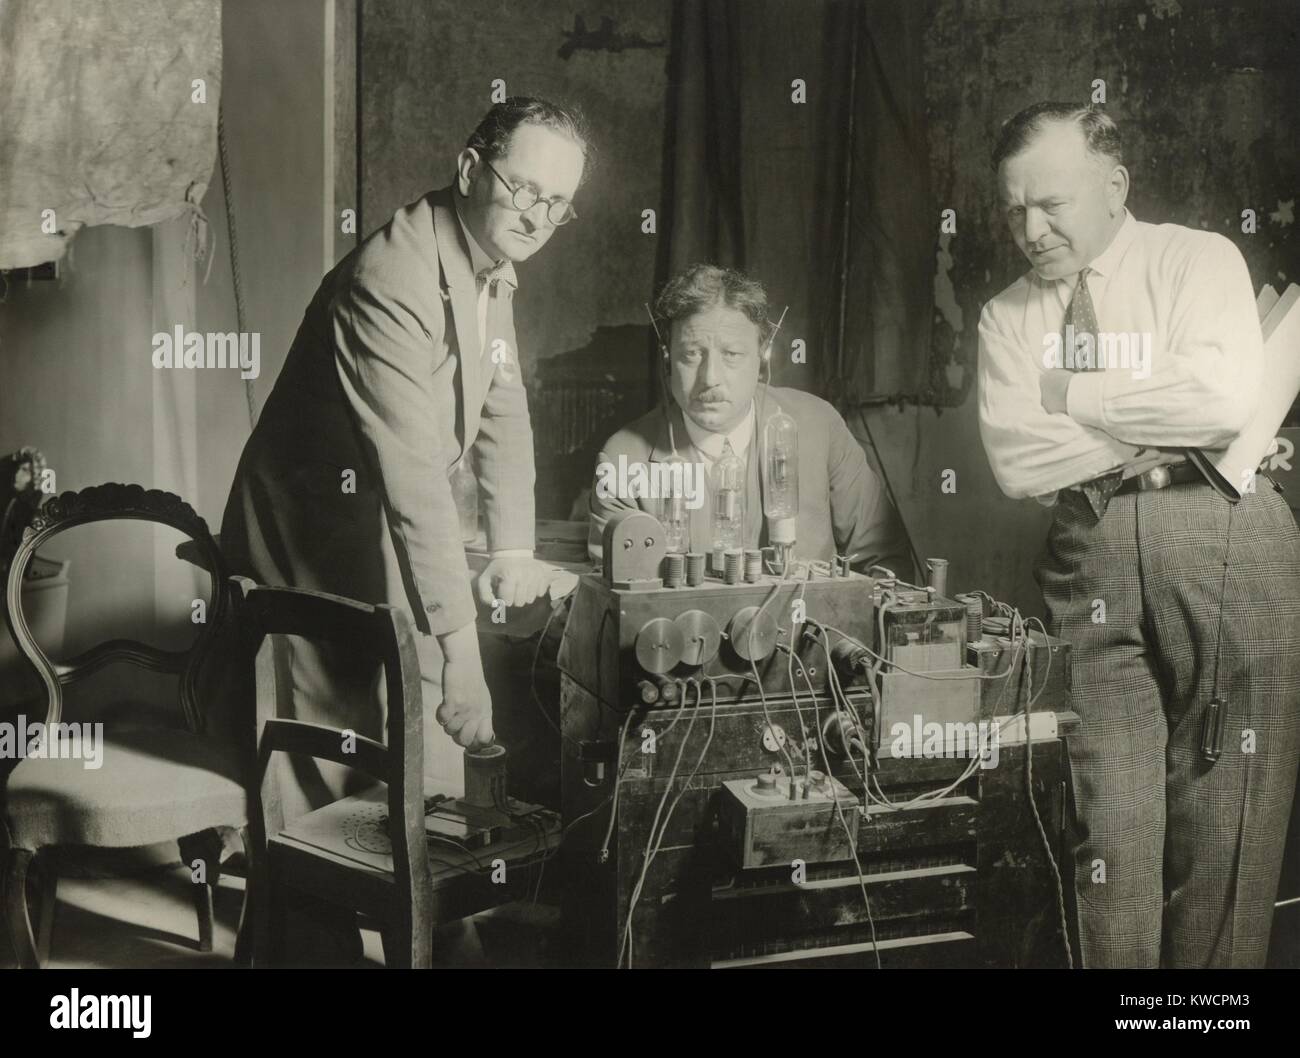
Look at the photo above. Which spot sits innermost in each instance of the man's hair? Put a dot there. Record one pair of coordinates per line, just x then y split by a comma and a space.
492, 136
701, 286
1100, 133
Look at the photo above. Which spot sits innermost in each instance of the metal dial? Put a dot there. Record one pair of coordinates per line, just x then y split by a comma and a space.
755, 645
701, 634
659, 645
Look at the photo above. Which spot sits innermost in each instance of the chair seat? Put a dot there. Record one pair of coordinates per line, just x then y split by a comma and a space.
153, 785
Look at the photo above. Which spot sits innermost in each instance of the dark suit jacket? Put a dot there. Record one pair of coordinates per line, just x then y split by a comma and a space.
376, 383
843, 507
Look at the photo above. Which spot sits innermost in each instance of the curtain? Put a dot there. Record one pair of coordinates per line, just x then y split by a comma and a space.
826, 200
101, 121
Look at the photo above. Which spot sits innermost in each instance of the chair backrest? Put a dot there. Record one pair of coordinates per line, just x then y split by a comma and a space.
379, 632
116, 502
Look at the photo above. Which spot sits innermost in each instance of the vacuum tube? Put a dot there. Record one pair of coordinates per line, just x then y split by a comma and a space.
781, 481
729, 503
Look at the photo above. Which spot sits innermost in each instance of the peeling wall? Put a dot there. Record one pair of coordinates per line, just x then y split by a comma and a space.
1200, 88
1203, 93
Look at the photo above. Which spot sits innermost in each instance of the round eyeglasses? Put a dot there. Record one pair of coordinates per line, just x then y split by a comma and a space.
523, 198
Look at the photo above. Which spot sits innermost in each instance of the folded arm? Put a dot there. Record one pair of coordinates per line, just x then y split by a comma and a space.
1204, 386
1032, 451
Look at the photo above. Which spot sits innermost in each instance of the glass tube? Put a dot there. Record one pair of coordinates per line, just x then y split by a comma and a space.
729, 502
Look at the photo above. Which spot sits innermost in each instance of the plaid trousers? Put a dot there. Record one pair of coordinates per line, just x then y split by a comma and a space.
1176, 859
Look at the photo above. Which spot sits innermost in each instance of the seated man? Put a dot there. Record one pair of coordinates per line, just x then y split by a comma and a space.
715, 321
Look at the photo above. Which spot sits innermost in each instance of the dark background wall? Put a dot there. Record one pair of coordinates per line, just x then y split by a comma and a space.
1201, 90
427, 72
1204, 91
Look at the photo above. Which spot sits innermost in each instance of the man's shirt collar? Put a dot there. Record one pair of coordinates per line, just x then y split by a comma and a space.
710, 444
1105, 263
479, 260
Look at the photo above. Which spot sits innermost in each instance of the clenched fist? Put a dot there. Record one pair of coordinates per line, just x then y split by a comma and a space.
515, 581
466, 709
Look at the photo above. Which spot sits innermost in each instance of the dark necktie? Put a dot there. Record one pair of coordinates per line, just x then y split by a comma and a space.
1083, 316
487, 279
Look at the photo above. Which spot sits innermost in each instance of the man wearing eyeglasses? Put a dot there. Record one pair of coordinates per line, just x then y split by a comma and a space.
405, 368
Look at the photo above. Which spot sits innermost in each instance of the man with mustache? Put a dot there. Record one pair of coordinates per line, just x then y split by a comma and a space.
715, 322
1179, 593
405, 367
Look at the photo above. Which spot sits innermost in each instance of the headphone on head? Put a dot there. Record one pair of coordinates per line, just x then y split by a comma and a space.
665, 358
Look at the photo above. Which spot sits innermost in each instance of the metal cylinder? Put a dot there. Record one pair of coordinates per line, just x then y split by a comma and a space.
719, 553
753, 565
733, 568
694, 568
974, 617
937, 568
674, 570
485, 777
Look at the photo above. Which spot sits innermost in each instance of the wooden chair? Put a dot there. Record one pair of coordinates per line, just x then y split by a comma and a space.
401, 898
156, 783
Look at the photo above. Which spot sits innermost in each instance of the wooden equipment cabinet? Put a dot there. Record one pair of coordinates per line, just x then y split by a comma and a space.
961, 880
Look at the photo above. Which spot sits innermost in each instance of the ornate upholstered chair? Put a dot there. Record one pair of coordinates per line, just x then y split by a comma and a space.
155, 783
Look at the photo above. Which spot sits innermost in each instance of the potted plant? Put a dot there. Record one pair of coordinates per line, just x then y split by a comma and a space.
24, 488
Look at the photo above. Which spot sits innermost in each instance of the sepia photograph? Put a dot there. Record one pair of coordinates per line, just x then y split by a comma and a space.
660, 484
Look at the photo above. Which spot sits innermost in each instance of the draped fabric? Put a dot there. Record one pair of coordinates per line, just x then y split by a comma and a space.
826, 200
101, 121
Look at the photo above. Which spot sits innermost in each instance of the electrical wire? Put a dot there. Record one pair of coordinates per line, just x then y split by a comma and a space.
839, 811
603, 856
1033, 803
758, 680
653, 842
532, 675
895, 665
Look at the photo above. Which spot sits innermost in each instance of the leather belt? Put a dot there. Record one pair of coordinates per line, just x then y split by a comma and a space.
1162, 477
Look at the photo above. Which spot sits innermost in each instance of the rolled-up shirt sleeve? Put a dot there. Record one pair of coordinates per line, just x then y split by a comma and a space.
1204, 379
1031, 450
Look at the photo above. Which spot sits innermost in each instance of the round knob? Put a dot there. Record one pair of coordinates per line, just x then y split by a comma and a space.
659, 645
701, 634
753, 636
649, 692
765, 785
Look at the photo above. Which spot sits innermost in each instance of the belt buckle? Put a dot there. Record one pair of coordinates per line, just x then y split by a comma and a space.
1156, 478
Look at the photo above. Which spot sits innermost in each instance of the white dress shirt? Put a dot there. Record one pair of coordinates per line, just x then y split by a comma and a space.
710, 445
481, 262
1188, 290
